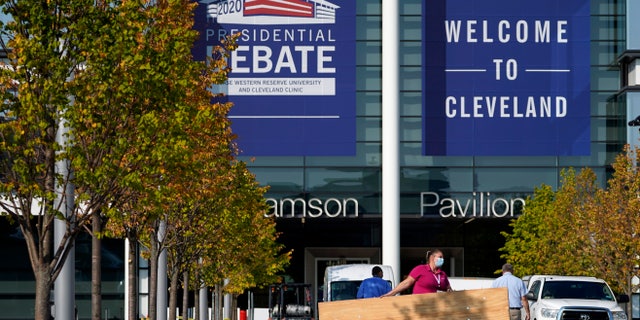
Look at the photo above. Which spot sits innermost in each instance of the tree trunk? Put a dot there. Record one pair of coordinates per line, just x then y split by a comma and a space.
218, 301
196, 306
40, 258
44, 283
234, 307
132, 260
185, 295
173, 293
153, 277
96, 267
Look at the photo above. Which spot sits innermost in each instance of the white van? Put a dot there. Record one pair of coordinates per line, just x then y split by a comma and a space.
341, 282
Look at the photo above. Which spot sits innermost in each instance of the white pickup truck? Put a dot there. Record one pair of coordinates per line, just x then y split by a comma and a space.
573, 298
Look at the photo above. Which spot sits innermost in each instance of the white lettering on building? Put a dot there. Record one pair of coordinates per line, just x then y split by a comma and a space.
480, 204
312, 208
264, 60
538, 31
505, 107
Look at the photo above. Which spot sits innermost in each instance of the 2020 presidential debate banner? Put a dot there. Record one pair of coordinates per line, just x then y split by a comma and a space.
506, 78
293, 74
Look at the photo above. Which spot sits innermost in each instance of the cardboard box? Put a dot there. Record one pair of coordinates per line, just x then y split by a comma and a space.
489, 304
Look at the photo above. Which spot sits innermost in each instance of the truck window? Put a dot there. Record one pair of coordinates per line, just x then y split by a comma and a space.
535, 288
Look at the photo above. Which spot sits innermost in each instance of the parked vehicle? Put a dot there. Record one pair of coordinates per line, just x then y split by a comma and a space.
341, 282
470, 283
290, 301
573, 297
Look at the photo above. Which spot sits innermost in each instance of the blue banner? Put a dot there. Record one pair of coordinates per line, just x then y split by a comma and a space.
506, 78
293, 74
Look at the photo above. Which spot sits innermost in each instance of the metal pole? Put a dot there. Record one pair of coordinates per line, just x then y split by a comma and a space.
227, 303
390, 137
64, 286
250, 307
204, 308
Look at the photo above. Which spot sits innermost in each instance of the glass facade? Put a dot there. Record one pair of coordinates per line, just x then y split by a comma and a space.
359, 176
472, 243
17, 285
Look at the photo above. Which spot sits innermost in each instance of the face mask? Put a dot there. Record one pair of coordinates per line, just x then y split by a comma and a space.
439, 262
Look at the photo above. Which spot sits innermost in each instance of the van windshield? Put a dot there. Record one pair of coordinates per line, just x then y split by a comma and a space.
576, 290
344, 290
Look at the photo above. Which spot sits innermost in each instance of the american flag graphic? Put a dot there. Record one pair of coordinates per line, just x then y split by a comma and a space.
287, 8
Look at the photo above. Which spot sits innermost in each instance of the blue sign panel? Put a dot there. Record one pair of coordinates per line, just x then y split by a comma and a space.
506, 78
293, 73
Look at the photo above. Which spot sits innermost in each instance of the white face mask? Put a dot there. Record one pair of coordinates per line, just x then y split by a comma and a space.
439, 262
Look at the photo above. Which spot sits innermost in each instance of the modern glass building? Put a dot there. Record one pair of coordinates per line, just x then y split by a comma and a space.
458, 203
329, 205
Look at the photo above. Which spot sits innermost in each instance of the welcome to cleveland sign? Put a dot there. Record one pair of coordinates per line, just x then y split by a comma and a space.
504, 77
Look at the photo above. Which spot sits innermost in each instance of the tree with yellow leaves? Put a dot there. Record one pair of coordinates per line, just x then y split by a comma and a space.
581, 229
117, 81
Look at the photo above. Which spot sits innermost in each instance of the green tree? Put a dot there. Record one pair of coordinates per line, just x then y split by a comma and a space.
547, 238
119, 78
245, 251
44, 54
523, 246
251, 255
136, 94
228, 230
105, 119
581, 229
175, 119
146, 144
198, 185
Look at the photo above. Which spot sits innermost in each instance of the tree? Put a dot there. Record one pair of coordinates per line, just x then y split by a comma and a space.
177, 120
103, 119
523, 246
190, 220
581, 229
119, 78
612, 222
247, 254
547, 238
135, 96
45, 42
228, 230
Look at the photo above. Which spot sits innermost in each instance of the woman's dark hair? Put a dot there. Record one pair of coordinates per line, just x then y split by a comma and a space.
431, 252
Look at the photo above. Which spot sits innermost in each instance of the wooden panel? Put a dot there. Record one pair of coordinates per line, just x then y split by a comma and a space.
490, 304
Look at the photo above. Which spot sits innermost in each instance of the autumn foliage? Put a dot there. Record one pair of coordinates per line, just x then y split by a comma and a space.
109, 91
582, 228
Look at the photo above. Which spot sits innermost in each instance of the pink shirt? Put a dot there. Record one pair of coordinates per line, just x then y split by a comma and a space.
427, 281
